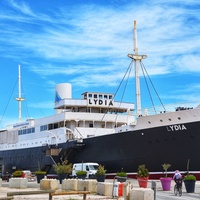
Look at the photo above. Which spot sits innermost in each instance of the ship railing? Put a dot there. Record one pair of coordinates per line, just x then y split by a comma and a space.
125, 185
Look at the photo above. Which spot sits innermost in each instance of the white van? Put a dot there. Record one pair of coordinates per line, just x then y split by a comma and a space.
91, 169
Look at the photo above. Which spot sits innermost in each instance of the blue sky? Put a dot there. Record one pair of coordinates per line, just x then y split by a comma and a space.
86, 43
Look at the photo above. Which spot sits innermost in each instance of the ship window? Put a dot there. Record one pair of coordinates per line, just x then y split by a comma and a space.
55, 125
179, 118
105, 96
29, 130
50, 126
161, 120
149, 122
90, 95
90, 125
95, 95
170, 119
110, 96
24, 131
100, 96
33, 130
43, 128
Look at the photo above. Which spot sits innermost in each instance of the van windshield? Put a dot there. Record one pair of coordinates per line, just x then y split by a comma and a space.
93, 167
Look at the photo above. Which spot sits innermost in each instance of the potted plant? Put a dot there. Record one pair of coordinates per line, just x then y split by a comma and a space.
18, 180
142, 175
17, 174
100, 174
63, 169
121, 176
81, 174
39, 173
165, 180
189, 181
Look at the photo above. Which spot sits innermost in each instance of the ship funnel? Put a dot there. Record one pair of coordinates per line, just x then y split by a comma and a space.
63, 91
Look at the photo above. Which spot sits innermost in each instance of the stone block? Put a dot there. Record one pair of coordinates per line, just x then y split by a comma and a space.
70, 184
49, 184
89, 185
141, 194
104, 188
18, 183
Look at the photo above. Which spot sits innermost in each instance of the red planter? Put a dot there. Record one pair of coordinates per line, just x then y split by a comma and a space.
166, 183
143, 181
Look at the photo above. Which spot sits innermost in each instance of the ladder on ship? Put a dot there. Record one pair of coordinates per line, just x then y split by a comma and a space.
56, 154
71, 146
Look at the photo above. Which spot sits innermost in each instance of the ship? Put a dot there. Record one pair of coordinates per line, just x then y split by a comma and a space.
97, 128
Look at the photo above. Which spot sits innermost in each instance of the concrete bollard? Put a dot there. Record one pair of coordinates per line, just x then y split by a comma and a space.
90, 185
70, 184
141, 194
18, 183
104, 188
49, 184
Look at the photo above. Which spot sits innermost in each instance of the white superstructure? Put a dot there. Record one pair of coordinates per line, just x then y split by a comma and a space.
94, 114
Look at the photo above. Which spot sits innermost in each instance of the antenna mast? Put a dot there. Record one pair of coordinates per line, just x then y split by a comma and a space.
137, 58
19, 98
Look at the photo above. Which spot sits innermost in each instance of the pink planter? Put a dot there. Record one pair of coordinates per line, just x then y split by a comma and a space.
166, 183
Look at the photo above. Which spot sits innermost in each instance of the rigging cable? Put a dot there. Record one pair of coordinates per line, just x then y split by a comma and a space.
143, 68
8, 102
127, 72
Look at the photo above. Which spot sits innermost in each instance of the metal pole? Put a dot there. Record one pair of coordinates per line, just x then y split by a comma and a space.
153, 187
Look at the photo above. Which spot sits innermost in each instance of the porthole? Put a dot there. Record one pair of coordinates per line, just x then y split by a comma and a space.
179, 118
149, 122
161, 120
170, 119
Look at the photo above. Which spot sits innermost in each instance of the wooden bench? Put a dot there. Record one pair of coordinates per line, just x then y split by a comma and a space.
84, 193
50, 192
6, 198
11, 194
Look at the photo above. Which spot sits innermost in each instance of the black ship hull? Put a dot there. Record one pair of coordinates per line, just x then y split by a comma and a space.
151, 147
127, 150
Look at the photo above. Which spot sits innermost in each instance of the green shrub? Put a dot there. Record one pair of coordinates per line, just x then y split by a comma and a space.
40, 173
122, 174
142, 171
81, 172
17, 173
190, 177
100, 171
165, 167
63, 168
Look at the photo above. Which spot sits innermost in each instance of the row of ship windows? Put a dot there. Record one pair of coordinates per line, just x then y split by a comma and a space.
162, 120
42, 128
31, 130
47, 142
26, 131
98, 96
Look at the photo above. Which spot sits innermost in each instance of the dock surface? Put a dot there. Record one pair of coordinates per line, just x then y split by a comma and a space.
160, 194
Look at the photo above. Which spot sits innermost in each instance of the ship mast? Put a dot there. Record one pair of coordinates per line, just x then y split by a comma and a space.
19, 98
137, 58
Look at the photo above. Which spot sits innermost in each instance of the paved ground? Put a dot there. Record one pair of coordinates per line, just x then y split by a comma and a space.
160, 194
